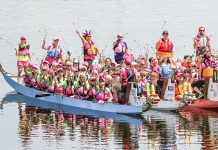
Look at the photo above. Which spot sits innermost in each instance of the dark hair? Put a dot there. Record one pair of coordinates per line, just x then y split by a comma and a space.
107, 58
186, 56
165, 32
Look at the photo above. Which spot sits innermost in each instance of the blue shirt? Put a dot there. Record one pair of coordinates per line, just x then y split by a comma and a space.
165, 71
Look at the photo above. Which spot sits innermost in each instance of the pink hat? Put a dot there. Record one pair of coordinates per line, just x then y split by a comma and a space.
50, 71
92, 78
35, 66
56, 38
23, 37
74, 69
46, 62
85, 63
114, 63
60, 69
54, 64
179, 74
44, 67
128, 61
59, 65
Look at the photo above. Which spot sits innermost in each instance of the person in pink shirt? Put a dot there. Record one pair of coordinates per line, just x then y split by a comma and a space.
89, 48
54, 51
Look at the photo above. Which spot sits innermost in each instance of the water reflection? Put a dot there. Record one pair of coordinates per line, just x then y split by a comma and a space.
187, 129
1, 105
201, 123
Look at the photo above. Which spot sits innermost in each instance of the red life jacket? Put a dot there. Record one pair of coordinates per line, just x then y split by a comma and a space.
128, 76
165, 46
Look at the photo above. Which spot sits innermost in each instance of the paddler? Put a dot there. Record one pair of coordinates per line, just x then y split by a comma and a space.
127, 74
164, 46
89, 48
54, 51
201, 45
81, 86
104, 93
120, 48
60, 82
182, 87
22, 51
43, 79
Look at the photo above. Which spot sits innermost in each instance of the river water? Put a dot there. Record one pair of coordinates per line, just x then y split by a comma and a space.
26, 127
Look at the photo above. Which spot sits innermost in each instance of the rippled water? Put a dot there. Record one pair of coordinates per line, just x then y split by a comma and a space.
32, 127
25, 127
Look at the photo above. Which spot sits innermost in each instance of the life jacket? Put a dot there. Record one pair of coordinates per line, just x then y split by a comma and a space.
81, 91
215, 75
33, 80
201, 44
51, 89
129, 76
183, 88
165, 46
120, 47
68, 90
54, 52
26, 80
23, 50
59, 88
92, 93
103, 95
90, 48
208, 72
150, 89
42, 84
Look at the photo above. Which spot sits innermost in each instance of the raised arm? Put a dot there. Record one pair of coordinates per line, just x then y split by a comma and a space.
82, 38
44, 45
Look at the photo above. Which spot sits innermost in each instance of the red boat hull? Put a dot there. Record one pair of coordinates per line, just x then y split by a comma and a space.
203, 103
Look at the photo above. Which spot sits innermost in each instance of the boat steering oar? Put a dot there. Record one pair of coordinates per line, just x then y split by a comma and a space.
3, 71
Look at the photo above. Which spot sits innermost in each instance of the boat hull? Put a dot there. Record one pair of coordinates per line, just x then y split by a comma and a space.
69, 101
204, 104
165, 105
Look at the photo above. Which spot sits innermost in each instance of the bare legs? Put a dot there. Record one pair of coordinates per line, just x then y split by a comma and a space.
19, 69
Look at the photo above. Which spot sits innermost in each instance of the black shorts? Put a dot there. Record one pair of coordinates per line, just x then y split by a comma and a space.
199, 84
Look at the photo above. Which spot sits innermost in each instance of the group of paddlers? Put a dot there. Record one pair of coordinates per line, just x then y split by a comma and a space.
104, 80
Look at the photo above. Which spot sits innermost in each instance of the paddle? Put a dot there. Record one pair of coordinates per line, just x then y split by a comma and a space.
42, 95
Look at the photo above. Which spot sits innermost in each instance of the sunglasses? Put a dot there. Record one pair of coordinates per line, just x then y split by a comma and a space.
201, 30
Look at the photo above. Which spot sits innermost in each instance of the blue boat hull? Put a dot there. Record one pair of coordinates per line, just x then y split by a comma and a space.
68, 101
